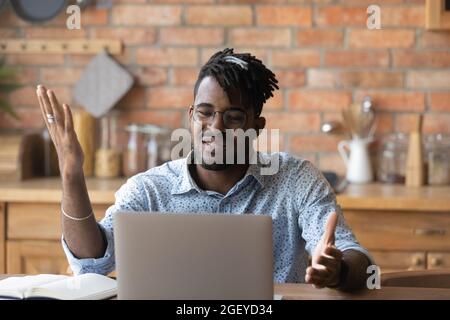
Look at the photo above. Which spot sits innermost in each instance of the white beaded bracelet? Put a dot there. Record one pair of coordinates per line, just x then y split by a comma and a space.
73, 218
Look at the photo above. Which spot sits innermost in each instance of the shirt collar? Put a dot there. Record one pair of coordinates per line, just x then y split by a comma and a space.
186, 183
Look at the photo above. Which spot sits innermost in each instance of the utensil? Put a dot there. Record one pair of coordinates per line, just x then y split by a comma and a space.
38, 11
414, 159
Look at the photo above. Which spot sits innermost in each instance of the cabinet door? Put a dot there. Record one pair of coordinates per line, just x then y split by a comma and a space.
2, 238
438, 260
35, 257
401, 230
40, 221
392, 261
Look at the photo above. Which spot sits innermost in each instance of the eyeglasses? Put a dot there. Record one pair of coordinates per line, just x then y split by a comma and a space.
233, 118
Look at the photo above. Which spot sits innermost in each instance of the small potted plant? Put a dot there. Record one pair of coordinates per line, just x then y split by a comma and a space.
7, 84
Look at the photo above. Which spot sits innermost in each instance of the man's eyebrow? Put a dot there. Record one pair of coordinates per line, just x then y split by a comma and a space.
204, 104
210, 105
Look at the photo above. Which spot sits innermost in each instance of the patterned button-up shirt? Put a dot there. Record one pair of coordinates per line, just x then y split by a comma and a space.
297, 197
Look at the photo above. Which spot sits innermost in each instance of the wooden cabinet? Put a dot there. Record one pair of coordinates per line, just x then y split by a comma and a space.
403, 240
34, 257
403, 228
34, 238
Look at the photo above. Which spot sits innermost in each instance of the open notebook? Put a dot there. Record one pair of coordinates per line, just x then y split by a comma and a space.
89, 286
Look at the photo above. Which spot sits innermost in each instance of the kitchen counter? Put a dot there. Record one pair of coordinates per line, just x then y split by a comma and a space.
404, 228
370, 196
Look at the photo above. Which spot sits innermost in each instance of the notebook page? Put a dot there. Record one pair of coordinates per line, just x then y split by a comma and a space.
21, 284
86, 286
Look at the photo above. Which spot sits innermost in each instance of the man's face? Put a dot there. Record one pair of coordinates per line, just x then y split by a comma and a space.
210, 98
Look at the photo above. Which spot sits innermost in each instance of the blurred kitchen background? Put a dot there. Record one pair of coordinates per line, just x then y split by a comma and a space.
322, 52
375, 101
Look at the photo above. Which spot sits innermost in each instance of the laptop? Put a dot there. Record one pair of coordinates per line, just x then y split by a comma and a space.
193, 256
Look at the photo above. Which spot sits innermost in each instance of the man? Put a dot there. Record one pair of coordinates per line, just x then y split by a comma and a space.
228, 95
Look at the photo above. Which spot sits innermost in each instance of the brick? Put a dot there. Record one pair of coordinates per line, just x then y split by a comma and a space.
60, 75
128, 35
184, 76
332, 162
319, 78
384, 122
53, 33
183, 1
284, 16
215, 15
280, 37
319, 100
8, 33
152, 15
430, 39
290, 78
170, 97
384, 38
26, 96
436, 123
167, 56
428, 59
394, 101
192, 36
357, 58
341, 16
276, 102
27, 75
35, 59
292, 122
295, 58
440, 101
405, 122
30, 118
170, 119
428, 79
403, 16
314, 143
261, 53
371, 79
151, 76
318, 37
77, 60
133, 99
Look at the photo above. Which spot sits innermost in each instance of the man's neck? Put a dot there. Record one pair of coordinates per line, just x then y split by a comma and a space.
220, 181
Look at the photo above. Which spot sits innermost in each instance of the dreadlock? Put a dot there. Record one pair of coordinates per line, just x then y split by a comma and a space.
246, 75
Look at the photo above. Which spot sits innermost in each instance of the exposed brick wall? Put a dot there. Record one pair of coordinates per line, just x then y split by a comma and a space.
321, 51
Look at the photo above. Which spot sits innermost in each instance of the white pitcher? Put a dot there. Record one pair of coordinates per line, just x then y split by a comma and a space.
359, 168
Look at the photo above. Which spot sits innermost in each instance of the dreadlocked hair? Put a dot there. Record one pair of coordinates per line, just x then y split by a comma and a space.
254, 82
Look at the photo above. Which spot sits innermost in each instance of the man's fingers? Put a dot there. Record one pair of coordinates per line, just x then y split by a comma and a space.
314, 280
328, 262
330, 228
333, 252
68, 118
319, 273
45, 101
57, 112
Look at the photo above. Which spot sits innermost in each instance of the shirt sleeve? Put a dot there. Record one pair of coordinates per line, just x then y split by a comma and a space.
130, 197
318, 202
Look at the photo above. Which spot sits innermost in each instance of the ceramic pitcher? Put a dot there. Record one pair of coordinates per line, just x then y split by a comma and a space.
355, 154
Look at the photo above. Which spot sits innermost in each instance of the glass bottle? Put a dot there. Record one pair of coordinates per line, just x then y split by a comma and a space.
134, 159
392, 158
438, 158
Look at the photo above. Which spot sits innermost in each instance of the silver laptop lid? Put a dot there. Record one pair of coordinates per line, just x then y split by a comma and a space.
193, 256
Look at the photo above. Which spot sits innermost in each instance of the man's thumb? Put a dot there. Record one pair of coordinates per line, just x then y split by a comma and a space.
331, 228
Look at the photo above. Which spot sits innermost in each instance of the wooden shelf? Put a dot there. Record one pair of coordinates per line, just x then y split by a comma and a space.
60, 46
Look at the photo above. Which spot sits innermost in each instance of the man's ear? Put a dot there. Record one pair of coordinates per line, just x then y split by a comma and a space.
260, 123
191, 112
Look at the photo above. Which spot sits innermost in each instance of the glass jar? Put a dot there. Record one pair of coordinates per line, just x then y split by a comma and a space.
437, 148
392, 158
134, 157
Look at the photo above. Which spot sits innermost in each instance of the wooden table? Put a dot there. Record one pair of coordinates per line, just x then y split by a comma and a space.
297, 291
300, 291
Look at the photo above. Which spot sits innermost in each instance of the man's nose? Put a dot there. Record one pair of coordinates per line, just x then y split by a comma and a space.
217, 122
